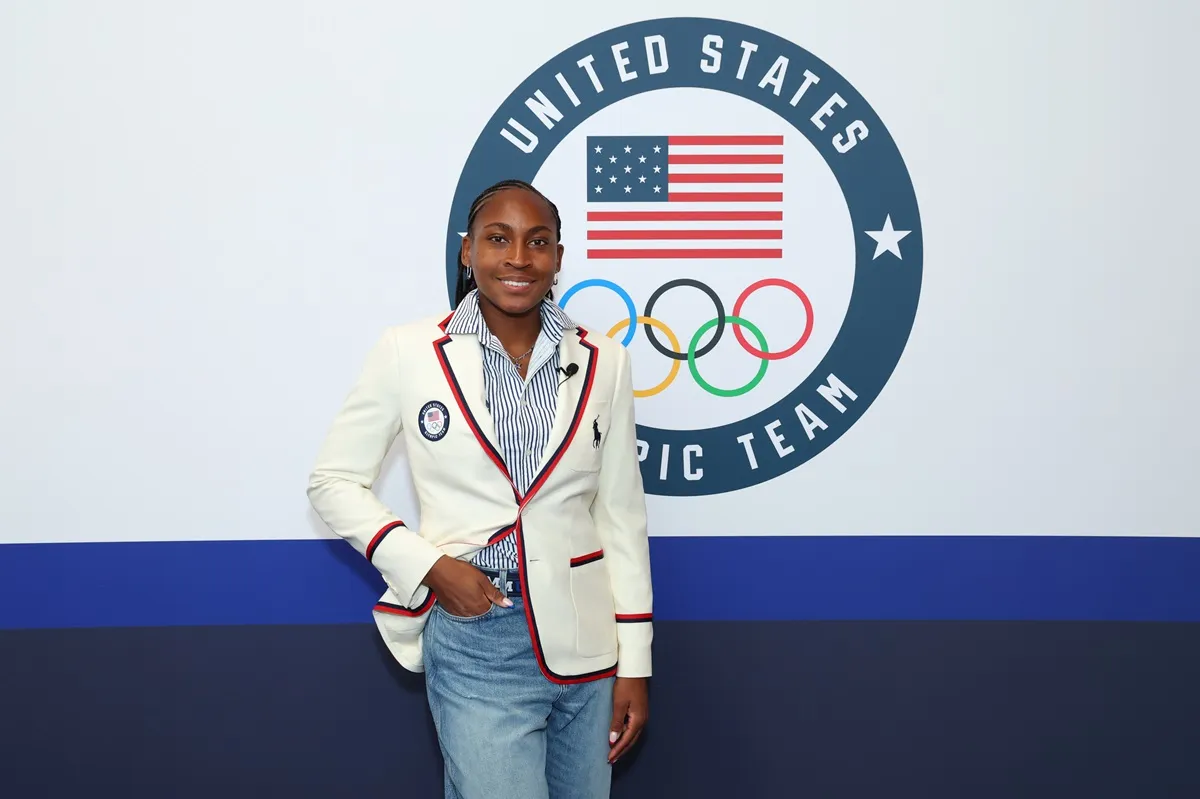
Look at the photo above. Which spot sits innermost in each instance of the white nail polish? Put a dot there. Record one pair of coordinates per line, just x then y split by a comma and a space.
612, 737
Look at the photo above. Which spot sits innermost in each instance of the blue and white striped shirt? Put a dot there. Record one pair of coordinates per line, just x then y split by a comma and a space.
522, 409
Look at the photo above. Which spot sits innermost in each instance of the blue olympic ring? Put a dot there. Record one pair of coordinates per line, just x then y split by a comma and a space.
620, 292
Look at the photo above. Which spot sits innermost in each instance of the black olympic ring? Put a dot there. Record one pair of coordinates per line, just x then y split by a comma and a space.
696, 284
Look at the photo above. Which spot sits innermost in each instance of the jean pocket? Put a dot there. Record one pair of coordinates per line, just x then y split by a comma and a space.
447, 614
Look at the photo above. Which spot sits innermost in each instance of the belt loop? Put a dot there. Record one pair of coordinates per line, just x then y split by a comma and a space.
503, 582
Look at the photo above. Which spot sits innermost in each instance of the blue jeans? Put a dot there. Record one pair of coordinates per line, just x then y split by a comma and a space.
505, 730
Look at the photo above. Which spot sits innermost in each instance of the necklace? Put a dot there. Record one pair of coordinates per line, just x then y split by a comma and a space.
517, 359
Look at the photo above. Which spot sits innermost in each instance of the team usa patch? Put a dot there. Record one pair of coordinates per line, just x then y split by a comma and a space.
434, 420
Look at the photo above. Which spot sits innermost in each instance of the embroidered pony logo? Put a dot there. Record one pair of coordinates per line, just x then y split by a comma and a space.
596, 433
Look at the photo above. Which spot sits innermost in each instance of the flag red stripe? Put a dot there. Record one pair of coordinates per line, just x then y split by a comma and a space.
685, 216
617, 254
727, 140
727, 158
661, 235
726, 197
725, 177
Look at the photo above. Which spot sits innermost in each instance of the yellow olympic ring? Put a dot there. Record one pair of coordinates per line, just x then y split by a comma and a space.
675, 364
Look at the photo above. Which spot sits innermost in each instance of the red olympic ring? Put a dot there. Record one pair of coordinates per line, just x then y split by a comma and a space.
808, 324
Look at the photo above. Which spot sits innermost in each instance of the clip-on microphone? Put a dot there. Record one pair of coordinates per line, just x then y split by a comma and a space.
569, 371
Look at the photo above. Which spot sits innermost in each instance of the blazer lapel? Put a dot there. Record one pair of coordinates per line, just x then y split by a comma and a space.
462, 363
573, 393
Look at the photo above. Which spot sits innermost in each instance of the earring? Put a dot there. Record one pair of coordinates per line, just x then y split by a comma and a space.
556, 280
467, 272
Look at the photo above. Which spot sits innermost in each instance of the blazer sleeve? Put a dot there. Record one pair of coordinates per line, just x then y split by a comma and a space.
619, 511
348, 464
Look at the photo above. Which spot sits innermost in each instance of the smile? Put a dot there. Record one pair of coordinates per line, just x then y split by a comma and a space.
517, 284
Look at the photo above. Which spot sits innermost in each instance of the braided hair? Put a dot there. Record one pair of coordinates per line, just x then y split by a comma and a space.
466, 279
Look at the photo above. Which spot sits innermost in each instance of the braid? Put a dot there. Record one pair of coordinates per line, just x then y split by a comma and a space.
466, 280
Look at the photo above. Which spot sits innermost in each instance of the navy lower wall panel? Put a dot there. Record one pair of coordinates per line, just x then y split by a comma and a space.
740, 709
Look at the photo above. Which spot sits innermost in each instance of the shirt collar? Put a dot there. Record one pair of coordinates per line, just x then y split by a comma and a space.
467, 319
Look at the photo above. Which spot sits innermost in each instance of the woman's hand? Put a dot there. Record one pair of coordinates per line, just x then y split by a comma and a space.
462, 589
631, 711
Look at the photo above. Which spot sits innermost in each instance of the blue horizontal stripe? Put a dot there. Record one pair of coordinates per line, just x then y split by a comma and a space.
775, 578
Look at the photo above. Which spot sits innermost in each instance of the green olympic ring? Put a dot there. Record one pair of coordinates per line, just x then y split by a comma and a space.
727, 392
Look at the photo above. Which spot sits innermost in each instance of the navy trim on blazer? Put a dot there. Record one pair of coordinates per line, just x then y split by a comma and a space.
584, 560
531, 622
401, 610
502, 533
589, 375
439, 347
378, 538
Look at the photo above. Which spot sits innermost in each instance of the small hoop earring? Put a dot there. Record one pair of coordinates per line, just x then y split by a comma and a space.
556, 280
467, 272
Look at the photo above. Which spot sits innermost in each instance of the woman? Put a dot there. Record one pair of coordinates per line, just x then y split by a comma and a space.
525, 596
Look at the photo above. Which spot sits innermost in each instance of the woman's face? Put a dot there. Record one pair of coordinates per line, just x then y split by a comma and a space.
513, 252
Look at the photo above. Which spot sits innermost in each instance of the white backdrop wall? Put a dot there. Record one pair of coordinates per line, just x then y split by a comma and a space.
208, 211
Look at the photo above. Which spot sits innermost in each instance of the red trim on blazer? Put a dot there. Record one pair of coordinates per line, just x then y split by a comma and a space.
588, 379
632, 618
439, 347
533, 633
400, 610
502, 533
377, 539
591, 557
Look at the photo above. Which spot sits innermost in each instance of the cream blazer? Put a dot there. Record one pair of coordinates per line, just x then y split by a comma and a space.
580, 529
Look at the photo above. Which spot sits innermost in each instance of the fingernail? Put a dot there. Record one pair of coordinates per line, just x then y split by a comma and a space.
507, 602
612, 737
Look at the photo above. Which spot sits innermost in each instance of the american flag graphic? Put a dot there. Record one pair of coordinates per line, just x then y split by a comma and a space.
685, 197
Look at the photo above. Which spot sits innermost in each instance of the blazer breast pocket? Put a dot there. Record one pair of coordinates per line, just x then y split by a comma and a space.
587, 449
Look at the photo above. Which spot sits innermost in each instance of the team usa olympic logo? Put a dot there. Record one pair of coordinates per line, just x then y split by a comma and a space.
703, 210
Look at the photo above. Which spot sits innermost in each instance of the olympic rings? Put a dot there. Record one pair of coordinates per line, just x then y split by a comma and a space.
726, 392
674, 371
692, 353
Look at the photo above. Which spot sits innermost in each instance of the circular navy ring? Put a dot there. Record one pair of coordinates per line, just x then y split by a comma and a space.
696, 284
620, 292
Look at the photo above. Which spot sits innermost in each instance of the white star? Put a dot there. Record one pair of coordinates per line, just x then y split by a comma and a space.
612, 179
642, 179
598, 189
641, 159
628, 148
887, 239
627, 189
462, 235
599, 149
657, 148
599, 169
628, 169
656, 189
658, 169
612, 159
